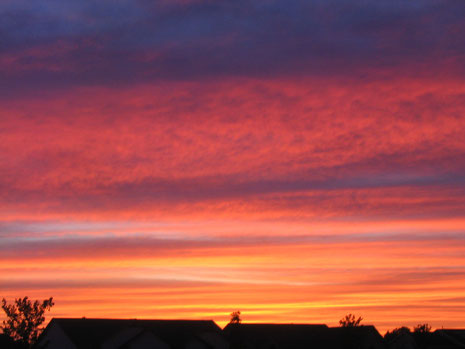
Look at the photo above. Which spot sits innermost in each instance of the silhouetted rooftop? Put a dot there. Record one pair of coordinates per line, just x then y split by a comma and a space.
293, 336
282, 336
448, 338
85, 333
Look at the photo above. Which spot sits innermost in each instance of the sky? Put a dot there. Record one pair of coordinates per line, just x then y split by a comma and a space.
294, 160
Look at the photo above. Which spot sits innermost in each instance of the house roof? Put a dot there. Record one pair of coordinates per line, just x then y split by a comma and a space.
358, 331
451, 337
354, 337
291, 336
276, 335
85, 333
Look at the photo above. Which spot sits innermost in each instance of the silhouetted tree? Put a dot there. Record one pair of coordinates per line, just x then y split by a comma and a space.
350, 321
422, 335
24, 319
235, 317
389, 336
422, 328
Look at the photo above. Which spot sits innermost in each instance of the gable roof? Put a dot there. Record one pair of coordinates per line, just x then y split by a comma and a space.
88, 333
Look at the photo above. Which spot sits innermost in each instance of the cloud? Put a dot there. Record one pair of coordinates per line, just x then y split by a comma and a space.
136, 244
107, 44
238, 145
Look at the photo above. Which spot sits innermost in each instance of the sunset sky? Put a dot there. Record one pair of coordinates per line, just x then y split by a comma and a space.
294, 160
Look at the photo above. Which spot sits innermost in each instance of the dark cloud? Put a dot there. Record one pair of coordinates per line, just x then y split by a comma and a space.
108, 43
